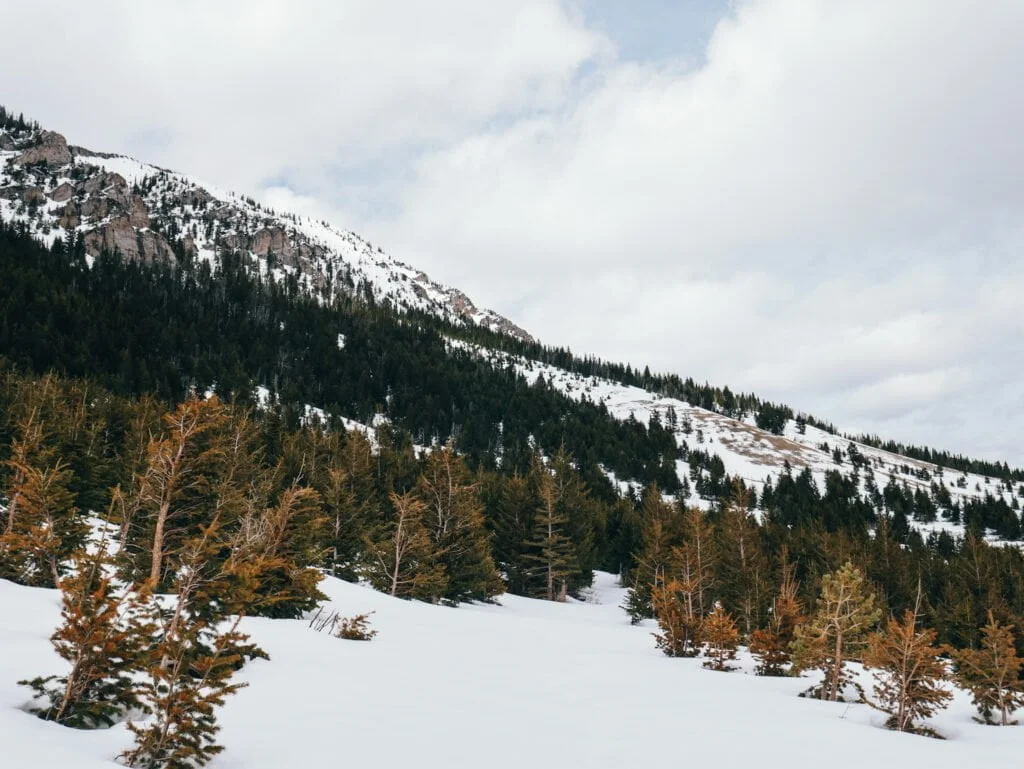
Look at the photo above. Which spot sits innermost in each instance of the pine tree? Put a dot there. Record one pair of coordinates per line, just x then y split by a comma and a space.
992, 673
908, 673
190, 664
770, 646
551, 551
721, 637
844, 615
454, 515
104, 640
680, 625
401, 557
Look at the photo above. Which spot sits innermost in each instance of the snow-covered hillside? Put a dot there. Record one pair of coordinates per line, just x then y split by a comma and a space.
146, 212
526, 683
748, 452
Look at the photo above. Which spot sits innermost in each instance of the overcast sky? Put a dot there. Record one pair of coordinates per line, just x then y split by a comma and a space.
820, 202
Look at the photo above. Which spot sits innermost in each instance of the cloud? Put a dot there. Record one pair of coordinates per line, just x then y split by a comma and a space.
825, 212
246, 90
824, 208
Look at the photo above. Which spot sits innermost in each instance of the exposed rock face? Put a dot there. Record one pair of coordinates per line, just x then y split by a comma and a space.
139, 214
118, 235
63, 193
142, 219
33, 195
52, 150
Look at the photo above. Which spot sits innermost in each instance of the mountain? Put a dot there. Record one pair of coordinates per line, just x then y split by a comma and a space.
702, 438
147, 213
224, 429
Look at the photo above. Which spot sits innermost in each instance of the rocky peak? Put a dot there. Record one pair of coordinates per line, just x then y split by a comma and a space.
147, 213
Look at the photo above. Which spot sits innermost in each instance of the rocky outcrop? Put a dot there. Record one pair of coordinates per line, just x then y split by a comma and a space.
63, 193
33, 195
139, 214
118, 235
51, 149
142, 221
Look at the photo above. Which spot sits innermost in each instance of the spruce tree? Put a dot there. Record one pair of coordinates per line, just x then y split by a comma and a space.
992, 673
908, 673
721, 637
104, 639
845, 613
550, 550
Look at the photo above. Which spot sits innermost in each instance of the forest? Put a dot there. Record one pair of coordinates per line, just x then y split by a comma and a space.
128, 412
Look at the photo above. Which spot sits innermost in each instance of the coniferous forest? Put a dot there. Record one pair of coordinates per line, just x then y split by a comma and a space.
129, 411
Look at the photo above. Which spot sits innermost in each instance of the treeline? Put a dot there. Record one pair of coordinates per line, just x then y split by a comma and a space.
998, 470
733, 556
168, 329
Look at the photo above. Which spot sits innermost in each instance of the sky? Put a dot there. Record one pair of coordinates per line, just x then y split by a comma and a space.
815, 200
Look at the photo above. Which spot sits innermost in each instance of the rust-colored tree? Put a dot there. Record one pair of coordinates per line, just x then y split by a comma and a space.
770, 645
103, 638
908, 673
721, 637
992, 673
680, 625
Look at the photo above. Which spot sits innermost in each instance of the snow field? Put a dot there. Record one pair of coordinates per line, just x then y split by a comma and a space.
524, 683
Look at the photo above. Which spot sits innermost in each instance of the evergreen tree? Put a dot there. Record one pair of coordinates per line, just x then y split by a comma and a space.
770, 645
191, 662
401, 558
721, 637
680, 625
454, 516
992, 673
551, 551
43, 525
103, 640
908, 673
836, 632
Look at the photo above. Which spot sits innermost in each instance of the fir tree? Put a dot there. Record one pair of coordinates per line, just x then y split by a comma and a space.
992, 673
770, 645
454, 515
103, 639
551, 550
844, 615
680, 625
401, 558
908, 673
195, 654
721, 637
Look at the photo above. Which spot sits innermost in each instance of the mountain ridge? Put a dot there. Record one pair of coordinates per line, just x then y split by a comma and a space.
146, 212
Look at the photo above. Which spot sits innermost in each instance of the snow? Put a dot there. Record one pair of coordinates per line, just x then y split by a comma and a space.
526, 683
746, 451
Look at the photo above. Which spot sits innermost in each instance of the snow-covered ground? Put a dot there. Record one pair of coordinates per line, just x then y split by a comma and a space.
526, 683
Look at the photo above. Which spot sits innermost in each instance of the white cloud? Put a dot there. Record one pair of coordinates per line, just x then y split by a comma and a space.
825, 211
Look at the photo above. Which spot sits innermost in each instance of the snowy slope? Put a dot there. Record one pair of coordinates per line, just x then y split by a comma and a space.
527, 683
748, 452
118, 200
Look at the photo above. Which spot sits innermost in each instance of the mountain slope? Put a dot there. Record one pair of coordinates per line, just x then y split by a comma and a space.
150, 213
154, 216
